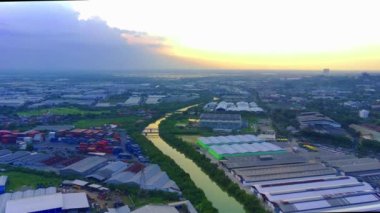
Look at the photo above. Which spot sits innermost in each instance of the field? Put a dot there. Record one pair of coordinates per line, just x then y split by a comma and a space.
60, 111
17, 180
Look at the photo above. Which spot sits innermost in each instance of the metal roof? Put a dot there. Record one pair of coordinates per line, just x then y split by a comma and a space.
335, 202
3, 180
319, 172
255, 161
86, 164
229, 139
278, 169
108, 170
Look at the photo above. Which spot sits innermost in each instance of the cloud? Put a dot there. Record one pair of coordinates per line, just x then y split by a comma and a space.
49, 36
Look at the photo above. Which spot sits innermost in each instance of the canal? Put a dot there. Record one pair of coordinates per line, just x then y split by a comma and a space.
219, 199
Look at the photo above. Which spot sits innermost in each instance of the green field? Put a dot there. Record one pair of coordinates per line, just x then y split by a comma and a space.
17, 180
60, 111
130, 123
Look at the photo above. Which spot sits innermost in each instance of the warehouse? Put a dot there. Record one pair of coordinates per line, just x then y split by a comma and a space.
221, 122
150, 177
34, 159
255, 161
249, 180
277, 169
56, 202
355, 166
4, 152
349, 202
10, 158
245, 149
85, 166
316, 191
133, 101
3, 183
108, 170
205, 142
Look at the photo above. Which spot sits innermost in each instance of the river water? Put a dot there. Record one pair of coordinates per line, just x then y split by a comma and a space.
219, 199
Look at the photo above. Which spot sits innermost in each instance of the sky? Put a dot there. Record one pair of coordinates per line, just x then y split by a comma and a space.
197, 34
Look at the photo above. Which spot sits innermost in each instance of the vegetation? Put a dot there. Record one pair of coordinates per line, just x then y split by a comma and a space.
250, 203
187, 186
367, 147
60, 111
130, 123
136, 197
22, 177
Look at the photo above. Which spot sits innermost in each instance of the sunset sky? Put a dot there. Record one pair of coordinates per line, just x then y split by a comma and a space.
172, 34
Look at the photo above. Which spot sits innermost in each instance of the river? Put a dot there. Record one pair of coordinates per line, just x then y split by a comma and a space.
219, 199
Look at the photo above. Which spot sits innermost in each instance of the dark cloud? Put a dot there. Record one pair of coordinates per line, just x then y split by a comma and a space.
49, 36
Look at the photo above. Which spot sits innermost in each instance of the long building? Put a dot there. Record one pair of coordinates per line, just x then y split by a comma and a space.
84, 167
222, 122
205, 142
245, 149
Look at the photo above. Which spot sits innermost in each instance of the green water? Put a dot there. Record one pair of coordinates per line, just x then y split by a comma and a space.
219, 199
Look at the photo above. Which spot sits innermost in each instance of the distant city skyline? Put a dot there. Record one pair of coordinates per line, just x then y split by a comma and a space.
158, 35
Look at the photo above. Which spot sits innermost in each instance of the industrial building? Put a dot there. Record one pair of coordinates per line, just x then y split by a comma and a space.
57, 202
43, 200
154, 99
245, 149
3, 183
367, 201
309, 119
150, 178
109, 170
255, 161
133, 101
205, 142
221, 122
355, 166
84, 167
10, 158
240, 106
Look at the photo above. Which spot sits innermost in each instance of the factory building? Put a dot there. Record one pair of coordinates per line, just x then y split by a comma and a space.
368, 201
43, 200
205, 142
309, 119
150, 178
221, 122
246, 149
84, 167
109, 170
3, 183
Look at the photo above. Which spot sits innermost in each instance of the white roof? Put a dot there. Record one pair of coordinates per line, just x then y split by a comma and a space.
34, 204
228, 139
156, 209
244, 148
75, 201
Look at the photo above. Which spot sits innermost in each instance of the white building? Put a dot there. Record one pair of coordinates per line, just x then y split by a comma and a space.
363, 113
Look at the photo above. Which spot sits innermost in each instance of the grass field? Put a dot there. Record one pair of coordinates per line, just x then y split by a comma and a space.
60, 111
17, 180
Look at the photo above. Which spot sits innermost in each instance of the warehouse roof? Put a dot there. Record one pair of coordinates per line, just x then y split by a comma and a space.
156, 209
86, 164
351, 161
3, 180
278, 169
304, 184
24, 194
228, 139
245, 148
254, 161
360, 167
315, 191
361, 200
108, 170
319, 172
48, 202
